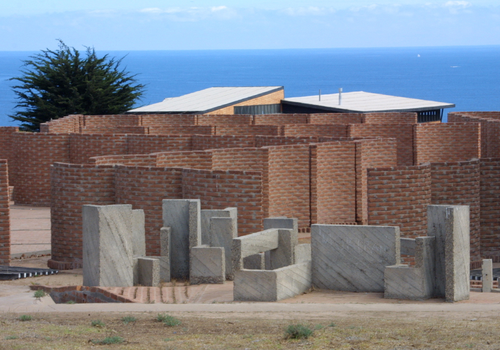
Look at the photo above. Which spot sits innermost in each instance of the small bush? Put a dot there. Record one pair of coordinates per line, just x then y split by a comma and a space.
298, 331
97, 323
71, 302
10, 337
39, 294
25, 318
128, 319
109, 340
168, 320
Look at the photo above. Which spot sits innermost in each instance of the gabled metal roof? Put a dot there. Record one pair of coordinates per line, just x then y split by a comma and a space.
207, 100
364, 102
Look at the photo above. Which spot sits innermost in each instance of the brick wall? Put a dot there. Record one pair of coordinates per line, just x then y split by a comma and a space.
333, 182
289, 182
399, 196
202, 142
185, 159
391, 118
66, 125
242, 159
333, 130
449, 142
111, 129
83, 146
262, 141
144, 144
72, 186
168, 119
336, 118
375, 153
30, 167
4, 214
458, 183
490, 129
280, 119
221, 189
6, 142
490, 207
181, 130
248, 130
128, 159
403, 133
113, 120
232, 119
145, 188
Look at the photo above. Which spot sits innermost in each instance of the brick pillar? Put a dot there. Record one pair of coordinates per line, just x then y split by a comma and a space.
4, 214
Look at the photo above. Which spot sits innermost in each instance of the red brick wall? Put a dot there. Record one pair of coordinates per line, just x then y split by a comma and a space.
280, 119
6, 142
181, 130
336, 118
248, 130
399, 196
449, 142
168, 119
333, 130
375, 153
66, 125
202, 142
111, 129
289, 181
391, 118
403, 133
114, 120
145, 144
490, 129
490, 207
82, 146
128, 159
221, 189
237, 119
262, 141
145, 188
458, 183
186, 159
4, 214
333, 182
72, 186
242, 159
30, 167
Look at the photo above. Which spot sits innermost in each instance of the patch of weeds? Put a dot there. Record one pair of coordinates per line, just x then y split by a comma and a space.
128, 319
168, 320
109, 340
318, 327
97, 323
298, 331
332, 325
11, 337
168, 339
24, 318
71, 302
40, 293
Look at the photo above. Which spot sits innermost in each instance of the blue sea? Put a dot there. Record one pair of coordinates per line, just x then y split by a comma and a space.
468, 76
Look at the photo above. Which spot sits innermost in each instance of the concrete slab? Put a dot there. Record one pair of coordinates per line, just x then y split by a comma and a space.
487, 269
149, 271
205, 216
208, 265
222, 232
252, 244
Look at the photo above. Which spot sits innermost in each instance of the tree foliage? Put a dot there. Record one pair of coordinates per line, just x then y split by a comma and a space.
57, 83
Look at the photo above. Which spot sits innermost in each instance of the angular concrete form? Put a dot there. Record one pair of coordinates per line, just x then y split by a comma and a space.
451, 227
272, 285
207, 265
182, 216
108, 249
207, 214
255, 262
282, 222
302, 253
415, 283
149, 271
353, 258
252, 244
138, 233
284, 255
165, 254
222, 232
487, 268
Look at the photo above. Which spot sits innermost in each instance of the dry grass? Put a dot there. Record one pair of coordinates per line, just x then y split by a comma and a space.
74, 331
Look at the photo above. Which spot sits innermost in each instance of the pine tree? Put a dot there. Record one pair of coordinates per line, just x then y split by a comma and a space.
57, 83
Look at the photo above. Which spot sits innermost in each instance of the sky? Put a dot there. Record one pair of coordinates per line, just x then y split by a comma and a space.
32, 25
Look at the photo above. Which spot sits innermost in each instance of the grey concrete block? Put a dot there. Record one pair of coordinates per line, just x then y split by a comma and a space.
149, 271
254, 262
164, 268
222, 232
207, 265
138, 233
107, 246
353, 258
451, 227
302, 252
252, 244
407, 246
181, 215
284, 255
282, 222
165, 254
415, 283
272, 285
487, 268
207, 214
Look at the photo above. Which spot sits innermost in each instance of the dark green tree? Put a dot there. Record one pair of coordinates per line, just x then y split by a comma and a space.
57, 83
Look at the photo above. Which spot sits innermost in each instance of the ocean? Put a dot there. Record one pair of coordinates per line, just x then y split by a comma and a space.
468, 76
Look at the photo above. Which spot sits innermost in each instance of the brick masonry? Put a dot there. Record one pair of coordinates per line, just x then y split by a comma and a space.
490, 207
4, 214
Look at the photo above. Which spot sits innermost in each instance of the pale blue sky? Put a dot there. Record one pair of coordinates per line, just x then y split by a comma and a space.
246, 24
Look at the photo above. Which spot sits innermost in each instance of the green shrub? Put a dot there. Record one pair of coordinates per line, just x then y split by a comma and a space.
25, 318
39, 294
97, 323
128, 319
168, 320
109, 340
298, 331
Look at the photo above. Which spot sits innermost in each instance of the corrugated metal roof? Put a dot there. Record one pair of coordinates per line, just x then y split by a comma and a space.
363, 102
207, 100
